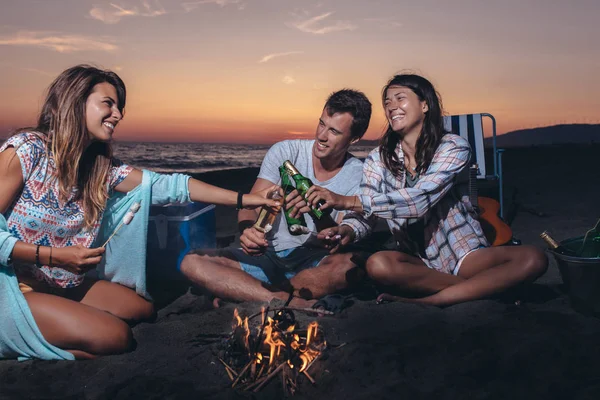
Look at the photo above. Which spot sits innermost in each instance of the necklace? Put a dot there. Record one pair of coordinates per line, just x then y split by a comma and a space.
408, 166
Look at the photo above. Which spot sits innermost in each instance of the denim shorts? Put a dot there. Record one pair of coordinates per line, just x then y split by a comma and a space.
274, 267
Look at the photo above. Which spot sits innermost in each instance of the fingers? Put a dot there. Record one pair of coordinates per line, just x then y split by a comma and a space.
317, 194
98, 251
253, 242
336, 237
296, 205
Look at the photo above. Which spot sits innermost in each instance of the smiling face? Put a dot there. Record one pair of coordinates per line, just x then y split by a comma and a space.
333, 136
404, 110
102, 112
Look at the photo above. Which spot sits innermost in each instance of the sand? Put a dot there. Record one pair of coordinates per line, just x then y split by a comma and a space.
486, 349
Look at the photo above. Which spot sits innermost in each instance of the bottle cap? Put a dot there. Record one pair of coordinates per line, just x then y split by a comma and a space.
290, 168
549, 240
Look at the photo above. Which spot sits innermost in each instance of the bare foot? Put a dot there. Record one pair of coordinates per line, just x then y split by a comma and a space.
302, 303
216, 302
388, 298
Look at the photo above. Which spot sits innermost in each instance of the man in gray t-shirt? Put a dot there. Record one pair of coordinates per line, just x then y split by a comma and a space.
279, 264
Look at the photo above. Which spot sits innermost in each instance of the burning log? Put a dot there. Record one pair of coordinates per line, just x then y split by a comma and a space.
279, 346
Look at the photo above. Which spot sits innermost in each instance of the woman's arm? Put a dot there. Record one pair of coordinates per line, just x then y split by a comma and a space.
11, 178
451, 157
206, 193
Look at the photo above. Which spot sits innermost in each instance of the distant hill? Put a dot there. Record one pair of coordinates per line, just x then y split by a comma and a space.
367, 143
549, 135
543, 136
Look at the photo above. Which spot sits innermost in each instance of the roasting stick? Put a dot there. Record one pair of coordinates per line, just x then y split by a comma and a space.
306, 310
229, 370
299, 229
127, 218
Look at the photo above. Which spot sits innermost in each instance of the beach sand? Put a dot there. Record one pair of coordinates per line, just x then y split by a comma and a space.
487, 349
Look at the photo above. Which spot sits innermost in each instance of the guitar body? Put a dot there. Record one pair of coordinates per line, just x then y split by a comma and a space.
496, 230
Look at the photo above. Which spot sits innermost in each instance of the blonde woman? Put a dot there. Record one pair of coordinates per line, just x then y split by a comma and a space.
55, 180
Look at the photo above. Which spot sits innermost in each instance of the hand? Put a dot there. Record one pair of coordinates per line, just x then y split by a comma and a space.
332, 200
77, 259
296, 204
253, 241
257, 199
336, 237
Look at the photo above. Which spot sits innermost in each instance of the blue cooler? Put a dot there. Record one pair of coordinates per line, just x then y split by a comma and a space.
173, 231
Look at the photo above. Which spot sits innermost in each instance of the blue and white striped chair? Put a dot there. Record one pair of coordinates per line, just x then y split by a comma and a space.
470, 126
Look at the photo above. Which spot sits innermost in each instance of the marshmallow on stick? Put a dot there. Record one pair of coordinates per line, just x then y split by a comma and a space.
127, 218
298, 229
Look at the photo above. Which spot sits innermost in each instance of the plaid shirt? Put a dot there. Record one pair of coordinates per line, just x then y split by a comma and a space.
437, 201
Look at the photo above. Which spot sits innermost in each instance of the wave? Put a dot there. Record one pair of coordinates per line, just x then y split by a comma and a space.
197, 157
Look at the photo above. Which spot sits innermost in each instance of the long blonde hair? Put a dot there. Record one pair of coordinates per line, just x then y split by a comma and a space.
62, 123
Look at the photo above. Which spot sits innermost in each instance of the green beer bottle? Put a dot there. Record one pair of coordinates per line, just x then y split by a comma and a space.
289, 188
302, 185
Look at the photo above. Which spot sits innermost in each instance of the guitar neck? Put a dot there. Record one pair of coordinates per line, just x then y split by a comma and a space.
473, 184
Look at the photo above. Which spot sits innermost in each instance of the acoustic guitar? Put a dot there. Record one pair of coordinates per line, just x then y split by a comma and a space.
495, 229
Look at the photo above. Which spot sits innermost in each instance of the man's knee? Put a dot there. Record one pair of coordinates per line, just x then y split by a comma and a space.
195, 260
338, 263
345, 267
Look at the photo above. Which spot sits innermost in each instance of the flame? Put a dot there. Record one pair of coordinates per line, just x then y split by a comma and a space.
238, 324
237, 321
299, 350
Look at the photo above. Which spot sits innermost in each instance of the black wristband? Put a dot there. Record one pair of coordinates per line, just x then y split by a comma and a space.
239, 201
37, 256
243, 225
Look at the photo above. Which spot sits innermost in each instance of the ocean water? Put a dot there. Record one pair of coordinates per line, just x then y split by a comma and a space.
198, 157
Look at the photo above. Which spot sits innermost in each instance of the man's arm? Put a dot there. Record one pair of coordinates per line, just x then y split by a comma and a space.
252, 240
247, 217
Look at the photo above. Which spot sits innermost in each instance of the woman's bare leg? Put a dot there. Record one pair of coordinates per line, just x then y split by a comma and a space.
80, 329
113, 298
492, 270
483, 273
406, 274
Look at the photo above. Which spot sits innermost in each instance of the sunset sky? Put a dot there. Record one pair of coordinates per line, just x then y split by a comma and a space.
259, 70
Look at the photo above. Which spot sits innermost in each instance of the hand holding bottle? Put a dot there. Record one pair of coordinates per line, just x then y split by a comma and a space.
295, 204
316, 195
302, 185
253, 200
336, 237
253, 241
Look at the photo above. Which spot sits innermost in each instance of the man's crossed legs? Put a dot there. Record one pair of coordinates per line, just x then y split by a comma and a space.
308, 273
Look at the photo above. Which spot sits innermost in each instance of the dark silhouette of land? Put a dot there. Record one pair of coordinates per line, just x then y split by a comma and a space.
549, 136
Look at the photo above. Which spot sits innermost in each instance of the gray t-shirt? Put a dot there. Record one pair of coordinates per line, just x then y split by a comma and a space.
346, 182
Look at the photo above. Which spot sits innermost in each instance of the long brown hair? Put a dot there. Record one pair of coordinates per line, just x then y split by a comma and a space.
62, 124
431, 133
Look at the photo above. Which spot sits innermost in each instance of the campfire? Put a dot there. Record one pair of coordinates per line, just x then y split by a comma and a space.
277, 346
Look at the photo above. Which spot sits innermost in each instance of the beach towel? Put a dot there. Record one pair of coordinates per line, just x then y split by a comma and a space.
124, 263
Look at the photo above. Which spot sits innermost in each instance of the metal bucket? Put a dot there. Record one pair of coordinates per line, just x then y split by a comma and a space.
581, 276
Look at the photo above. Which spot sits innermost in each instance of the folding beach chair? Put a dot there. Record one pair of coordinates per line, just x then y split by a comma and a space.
470, 127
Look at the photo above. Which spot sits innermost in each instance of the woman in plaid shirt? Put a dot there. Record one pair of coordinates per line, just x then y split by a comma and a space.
442, 256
